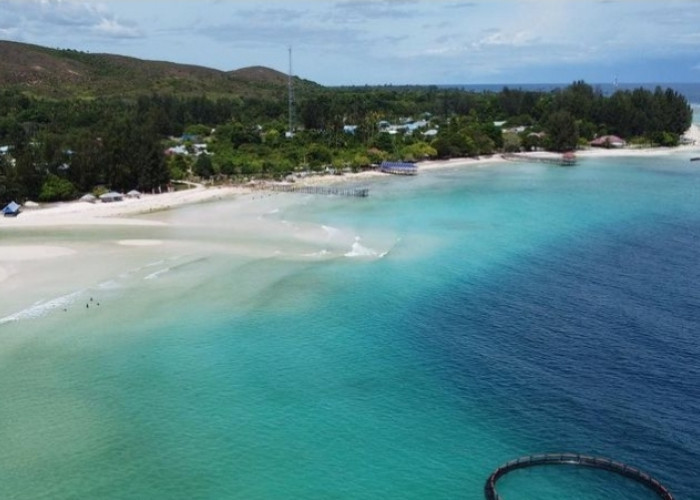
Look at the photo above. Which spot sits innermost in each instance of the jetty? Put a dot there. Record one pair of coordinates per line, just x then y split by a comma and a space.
398, 168
357, 192
577, 460
565, 160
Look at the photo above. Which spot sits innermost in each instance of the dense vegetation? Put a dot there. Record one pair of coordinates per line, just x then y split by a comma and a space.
59, 148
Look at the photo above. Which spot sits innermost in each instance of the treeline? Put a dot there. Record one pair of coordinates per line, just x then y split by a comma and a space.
58, 149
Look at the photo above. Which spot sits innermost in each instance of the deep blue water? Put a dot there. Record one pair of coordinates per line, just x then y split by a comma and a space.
589, 348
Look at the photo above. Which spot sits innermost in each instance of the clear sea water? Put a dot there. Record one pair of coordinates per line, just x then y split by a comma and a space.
484, 314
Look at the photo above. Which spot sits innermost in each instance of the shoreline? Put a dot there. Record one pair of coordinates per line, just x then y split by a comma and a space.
85, 244
126, 212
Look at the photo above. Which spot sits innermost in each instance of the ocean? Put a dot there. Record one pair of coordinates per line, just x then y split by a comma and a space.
401, 346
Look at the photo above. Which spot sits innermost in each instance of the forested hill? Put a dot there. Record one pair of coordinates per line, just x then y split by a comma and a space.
46, 72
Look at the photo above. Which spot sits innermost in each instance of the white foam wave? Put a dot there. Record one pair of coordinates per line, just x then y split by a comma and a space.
42, 308
322, 253
154, 264
110, 285
157, 274
359, 250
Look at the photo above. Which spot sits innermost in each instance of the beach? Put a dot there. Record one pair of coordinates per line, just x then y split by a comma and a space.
22, 266
33, 268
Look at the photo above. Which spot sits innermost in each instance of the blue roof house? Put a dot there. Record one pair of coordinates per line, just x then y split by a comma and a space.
11, 210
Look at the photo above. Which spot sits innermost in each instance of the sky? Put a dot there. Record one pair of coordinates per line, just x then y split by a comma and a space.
377, 42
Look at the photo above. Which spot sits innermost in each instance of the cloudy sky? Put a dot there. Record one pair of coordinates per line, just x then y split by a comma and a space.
338, 42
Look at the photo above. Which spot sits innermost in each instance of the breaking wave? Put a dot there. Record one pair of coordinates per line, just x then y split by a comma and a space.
42, 308
359, 250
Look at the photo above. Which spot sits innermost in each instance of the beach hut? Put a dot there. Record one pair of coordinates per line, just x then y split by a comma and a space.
89, 198
133, 194
608, 141
12, 209
111, 197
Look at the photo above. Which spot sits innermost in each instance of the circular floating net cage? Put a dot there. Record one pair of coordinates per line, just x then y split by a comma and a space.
575, 459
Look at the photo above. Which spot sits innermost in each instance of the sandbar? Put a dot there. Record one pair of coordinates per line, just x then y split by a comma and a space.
21, 253
139, 243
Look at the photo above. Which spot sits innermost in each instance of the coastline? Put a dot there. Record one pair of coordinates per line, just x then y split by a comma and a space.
121, 213
20, 256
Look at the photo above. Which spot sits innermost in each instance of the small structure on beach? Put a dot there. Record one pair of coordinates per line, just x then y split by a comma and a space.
12, 209
398, 168
88, 198
133, 194
111, 197
608, 141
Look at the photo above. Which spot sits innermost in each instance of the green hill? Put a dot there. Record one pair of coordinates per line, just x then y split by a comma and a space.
55, 73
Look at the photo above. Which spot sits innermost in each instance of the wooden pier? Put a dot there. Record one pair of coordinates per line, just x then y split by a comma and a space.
579, 460
357, 192
565, 160
398, 168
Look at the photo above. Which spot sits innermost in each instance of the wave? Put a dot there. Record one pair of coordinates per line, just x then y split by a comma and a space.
358, 250
153, 264
322, 253
156, 274
176, 267
110, 284
42, 308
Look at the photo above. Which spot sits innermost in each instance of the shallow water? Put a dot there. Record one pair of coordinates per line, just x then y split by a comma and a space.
400, 346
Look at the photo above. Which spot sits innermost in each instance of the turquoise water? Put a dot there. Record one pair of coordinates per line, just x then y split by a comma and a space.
482, 314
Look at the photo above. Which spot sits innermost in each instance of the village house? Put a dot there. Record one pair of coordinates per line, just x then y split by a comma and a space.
608, 141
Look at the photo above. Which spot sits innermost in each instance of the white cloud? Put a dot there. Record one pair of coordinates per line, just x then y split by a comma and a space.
504, 39
112, 28
43, 19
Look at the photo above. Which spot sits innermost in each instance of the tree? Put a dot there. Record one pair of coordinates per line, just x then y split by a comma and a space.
203, 167
57, 189
562, 131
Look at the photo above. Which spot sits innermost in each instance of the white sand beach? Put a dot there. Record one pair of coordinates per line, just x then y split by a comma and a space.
33, 262
118, 212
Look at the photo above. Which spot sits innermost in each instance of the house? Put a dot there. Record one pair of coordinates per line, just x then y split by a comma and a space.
608, 141
177, 150
111, 196
11, 210
200, 149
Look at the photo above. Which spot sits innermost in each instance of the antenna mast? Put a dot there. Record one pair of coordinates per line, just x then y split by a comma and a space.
290, 131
